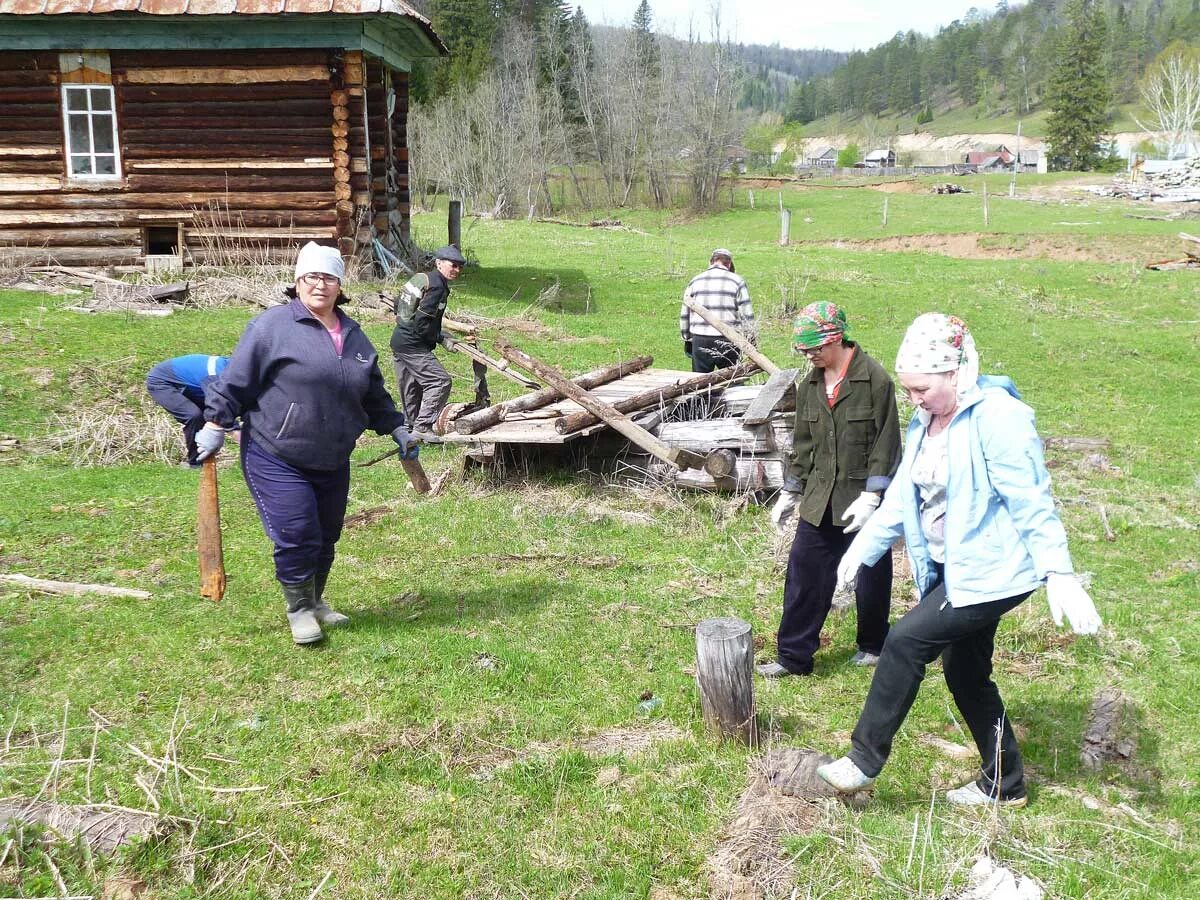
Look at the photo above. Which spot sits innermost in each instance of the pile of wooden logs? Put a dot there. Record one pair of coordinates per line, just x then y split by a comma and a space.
1191, 259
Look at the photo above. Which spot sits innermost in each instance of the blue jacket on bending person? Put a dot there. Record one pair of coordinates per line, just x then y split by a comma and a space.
177, 385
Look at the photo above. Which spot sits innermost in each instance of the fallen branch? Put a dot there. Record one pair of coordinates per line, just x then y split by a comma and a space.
71, 588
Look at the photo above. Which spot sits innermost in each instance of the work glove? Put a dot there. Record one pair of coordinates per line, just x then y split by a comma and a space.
847, 570
209, 440
784, 506
687, 348
860, 510
1066, 596
409, 449
446, 341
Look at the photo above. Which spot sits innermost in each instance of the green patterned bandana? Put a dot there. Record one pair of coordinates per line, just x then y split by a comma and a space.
819, 324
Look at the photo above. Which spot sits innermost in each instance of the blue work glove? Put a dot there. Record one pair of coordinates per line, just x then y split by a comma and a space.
409, 448
209, 440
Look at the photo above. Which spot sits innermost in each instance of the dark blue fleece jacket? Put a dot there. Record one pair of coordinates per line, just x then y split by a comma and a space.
298, 398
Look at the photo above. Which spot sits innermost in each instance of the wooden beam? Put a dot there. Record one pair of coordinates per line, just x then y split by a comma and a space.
680, 459
266, 74
576, 421
733, 336
71, 588
496, 365
310, 163
494, 415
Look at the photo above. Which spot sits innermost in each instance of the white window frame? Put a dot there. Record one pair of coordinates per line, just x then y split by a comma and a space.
91, 114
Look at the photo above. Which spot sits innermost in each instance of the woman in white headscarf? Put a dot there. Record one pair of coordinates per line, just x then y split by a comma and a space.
972, 501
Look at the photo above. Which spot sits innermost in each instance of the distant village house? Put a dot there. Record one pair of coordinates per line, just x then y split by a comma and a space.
822, 158
150, 128
880, 159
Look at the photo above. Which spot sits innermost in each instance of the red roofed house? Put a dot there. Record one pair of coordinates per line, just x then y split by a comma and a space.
204, 128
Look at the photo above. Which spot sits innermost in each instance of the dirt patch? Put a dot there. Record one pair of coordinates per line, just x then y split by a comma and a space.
626, 741
900, 187
975, 245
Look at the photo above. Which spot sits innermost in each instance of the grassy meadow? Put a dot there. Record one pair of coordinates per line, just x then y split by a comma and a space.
476, 731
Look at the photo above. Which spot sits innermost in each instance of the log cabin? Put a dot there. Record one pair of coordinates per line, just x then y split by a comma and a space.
204, 131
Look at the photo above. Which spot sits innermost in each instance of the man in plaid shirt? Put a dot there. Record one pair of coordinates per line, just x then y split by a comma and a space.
723, 293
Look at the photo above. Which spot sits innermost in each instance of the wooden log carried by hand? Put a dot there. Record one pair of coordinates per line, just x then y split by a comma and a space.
618, 421
493, 415
576, 421
733, 336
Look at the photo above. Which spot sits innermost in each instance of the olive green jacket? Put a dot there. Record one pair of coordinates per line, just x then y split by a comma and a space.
838, 453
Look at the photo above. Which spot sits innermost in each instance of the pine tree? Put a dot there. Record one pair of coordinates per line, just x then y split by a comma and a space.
647, 45
1078, 94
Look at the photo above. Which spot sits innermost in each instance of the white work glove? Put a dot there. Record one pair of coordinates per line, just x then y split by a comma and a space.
783, 508
860, 510
209, 440
1066, 596
847, 570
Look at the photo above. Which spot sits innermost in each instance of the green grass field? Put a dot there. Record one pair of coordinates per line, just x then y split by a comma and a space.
474, 731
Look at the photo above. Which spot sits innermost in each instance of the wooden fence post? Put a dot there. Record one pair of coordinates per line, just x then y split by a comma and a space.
985, 206
785, 225
725, 678
751, 193
454, 224
885, 200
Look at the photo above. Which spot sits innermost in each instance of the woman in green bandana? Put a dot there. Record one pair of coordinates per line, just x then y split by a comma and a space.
844, 453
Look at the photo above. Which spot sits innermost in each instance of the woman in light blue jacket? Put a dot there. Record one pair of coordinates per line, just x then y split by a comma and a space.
972, 501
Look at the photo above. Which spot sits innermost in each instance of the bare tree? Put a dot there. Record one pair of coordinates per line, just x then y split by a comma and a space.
1171, 93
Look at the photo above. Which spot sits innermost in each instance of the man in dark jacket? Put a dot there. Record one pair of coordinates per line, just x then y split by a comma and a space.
423, 381
845, 451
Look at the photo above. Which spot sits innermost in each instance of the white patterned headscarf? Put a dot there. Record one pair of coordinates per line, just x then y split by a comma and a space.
937, 343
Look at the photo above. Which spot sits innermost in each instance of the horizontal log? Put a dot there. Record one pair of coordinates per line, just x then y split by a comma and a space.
247, 108
234, 183
224, 75
703, 435
71, 256
184, 201
76, 220
29, 94
45, 137
13, 60
736, 400
228, 93
751, 474
262, 234
30, 166
29, 183
245, 133
255, 164
77, 237
237, 127
72, 589
151, 152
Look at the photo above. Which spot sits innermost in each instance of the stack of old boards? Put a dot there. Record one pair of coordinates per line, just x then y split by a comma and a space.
636, 422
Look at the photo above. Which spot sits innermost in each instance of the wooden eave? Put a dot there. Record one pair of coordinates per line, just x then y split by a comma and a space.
387, 29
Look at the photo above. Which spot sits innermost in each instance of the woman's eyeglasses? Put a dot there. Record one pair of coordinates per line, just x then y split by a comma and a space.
312, 279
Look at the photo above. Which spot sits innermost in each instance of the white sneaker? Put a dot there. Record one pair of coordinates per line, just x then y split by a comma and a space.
845, 776
772, 670
863, 658
971, 795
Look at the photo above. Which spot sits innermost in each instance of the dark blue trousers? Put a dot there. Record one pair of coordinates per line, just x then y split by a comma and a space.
301, 510
184, 403
964, 637
808, 594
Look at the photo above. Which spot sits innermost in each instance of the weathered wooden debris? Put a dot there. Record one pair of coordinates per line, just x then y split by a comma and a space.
733, 336
680, 459
779, 384
637, 402
71, 588
493, 415
1108, 737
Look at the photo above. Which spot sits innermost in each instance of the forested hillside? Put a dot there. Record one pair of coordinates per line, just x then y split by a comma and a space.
1001, 61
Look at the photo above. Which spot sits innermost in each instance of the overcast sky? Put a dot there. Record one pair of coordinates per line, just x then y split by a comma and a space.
834, 24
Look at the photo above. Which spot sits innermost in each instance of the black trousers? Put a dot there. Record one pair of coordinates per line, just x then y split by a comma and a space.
964, 637
808, 594
712, 353
185, 404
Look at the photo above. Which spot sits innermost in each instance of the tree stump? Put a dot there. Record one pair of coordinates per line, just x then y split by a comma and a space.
724, 675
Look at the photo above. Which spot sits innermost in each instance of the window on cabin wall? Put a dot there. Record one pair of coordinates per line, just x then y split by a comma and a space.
90, 120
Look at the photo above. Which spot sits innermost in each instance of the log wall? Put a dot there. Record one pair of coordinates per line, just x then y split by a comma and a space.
249, 152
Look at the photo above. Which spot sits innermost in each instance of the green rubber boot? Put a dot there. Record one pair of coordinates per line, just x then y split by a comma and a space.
324, 613
301, 611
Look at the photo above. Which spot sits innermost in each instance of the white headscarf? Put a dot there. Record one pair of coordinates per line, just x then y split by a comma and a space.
937, 343
315, 258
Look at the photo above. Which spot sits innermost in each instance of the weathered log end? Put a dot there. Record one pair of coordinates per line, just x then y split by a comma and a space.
724, 676
720, 463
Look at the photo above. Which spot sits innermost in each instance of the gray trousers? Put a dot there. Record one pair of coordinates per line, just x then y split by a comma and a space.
424, 387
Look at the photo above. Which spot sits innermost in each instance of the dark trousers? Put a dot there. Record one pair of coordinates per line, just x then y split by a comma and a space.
712, 353
301, 510
424, 387
185, 404
808, 594
964, 637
